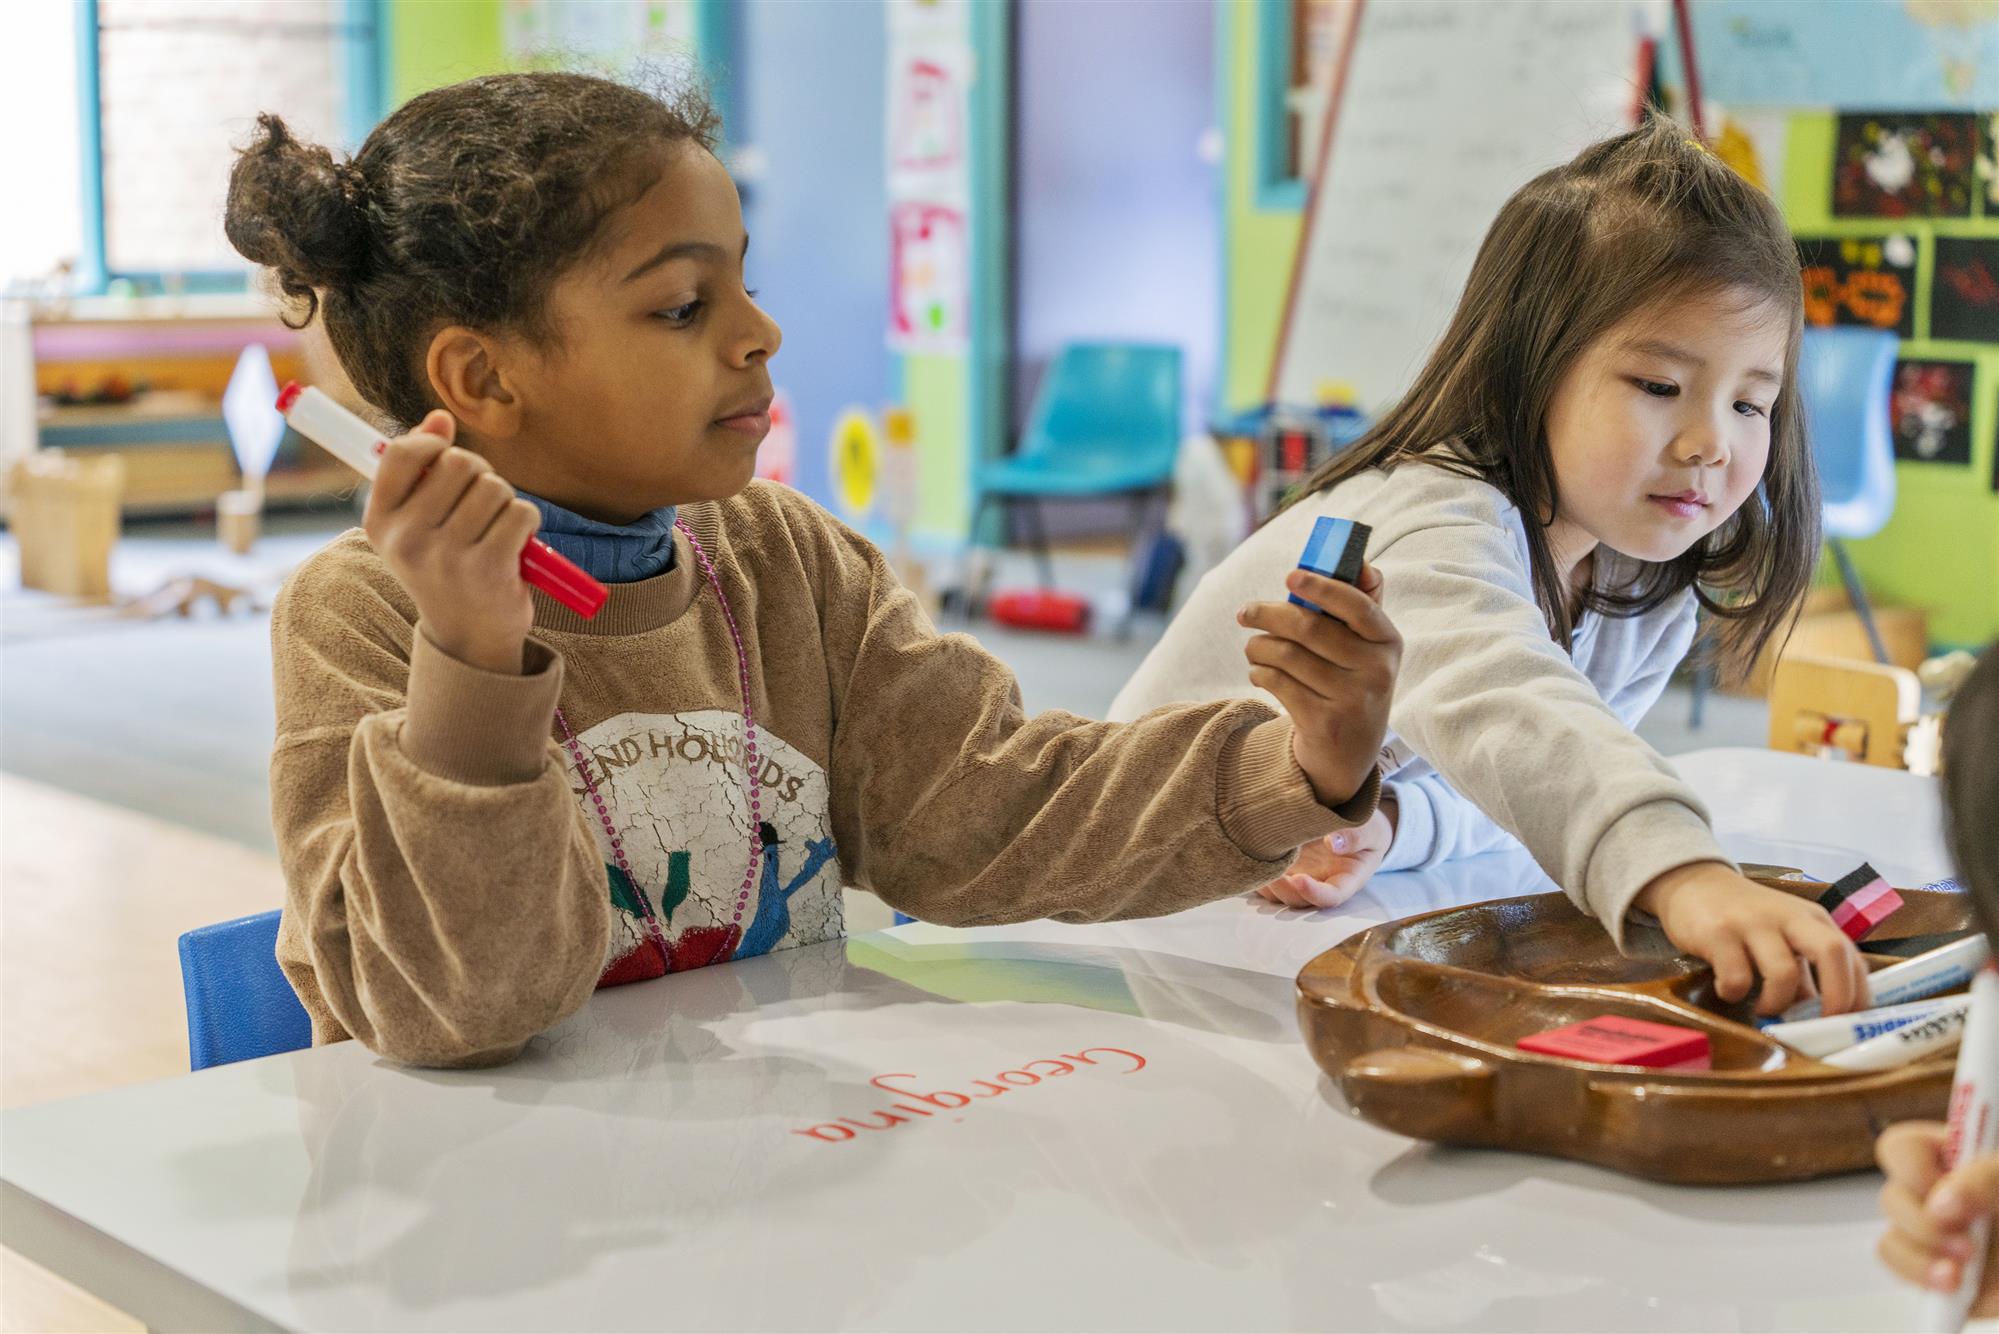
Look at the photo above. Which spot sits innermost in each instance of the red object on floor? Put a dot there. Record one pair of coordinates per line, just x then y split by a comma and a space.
1614, 1040
1040, 609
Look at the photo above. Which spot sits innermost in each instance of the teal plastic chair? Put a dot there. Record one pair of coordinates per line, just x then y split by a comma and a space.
239, 1005
1106, 422
1845, 377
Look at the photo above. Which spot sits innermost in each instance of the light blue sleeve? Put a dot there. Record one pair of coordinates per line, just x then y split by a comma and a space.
1635, 698
1434, 824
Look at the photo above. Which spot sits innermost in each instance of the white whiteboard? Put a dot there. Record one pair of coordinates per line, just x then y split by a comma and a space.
1447, 108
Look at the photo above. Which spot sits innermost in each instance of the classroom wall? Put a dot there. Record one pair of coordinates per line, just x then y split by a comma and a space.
757, 70
435, 42
1941, 550
811, 103
1258, 242
1118, 217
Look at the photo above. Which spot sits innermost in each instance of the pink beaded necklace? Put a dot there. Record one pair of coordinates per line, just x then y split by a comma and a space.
575, 748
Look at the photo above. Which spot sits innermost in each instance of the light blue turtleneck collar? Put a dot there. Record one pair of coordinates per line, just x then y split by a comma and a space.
611, 553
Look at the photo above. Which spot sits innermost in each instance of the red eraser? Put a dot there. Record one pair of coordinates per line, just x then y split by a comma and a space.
1611, 1039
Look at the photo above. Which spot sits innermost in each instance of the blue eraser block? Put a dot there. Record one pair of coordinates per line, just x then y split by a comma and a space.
1336, 550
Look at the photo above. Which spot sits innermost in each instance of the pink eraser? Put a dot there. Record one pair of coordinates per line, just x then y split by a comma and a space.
1859, 901
1611, 1039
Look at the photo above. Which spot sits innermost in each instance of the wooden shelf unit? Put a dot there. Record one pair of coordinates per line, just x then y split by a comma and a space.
171, 436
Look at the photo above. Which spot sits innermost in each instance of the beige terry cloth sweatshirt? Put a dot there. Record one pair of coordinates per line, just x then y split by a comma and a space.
451, 891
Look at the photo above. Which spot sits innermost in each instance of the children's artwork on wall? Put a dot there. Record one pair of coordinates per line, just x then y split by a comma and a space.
929, 176
927, 122
1869, 281
1865, 53
1930, 410
1752, 140
1903, 165
1988, 160
856, 461
1964, 296
929, 277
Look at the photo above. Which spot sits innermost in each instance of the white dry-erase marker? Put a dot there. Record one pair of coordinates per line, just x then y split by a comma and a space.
1974, 1131
1926, 1037
1942, 969
1824, 1036
358, 445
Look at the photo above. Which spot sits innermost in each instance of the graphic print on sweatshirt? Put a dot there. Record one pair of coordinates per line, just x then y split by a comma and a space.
675, 785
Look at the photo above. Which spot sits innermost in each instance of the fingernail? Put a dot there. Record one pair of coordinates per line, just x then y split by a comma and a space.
1341, 842
1942, 1276
1945, 1203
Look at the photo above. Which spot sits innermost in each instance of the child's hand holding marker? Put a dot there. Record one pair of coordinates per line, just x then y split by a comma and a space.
1933, 1212
451, 529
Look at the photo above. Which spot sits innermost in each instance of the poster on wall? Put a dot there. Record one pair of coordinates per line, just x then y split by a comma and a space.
1916, 54
928, 137
1964, 296
855, 461
1869, 281
929, 277
1753, 140
929, 175
1889, 164
1988, 161
1930, 408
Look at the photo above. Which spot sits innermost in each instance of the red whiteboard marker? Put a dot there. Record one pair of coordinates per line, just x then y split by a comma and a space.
358, 445
1974, 1132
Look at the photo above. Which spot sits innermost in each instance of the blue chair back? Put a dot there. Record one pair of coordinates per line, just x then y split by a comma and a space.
1845, 376
1110, 409
239, 1005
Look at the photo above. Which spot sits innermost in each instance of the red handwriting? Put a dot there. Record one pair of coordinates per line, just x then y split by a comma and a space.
917, 1104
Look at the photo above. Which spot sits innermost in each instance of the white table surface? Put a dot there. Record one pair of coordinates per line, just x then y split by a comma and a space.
640, 1166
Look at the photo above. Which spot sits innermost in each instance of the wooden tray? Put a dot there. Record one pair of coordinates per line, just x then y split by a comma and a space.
1415, 1021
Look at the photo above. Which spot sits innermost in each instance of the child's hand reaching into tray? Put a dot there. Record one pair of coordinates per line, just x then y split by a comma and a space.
1748, 932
